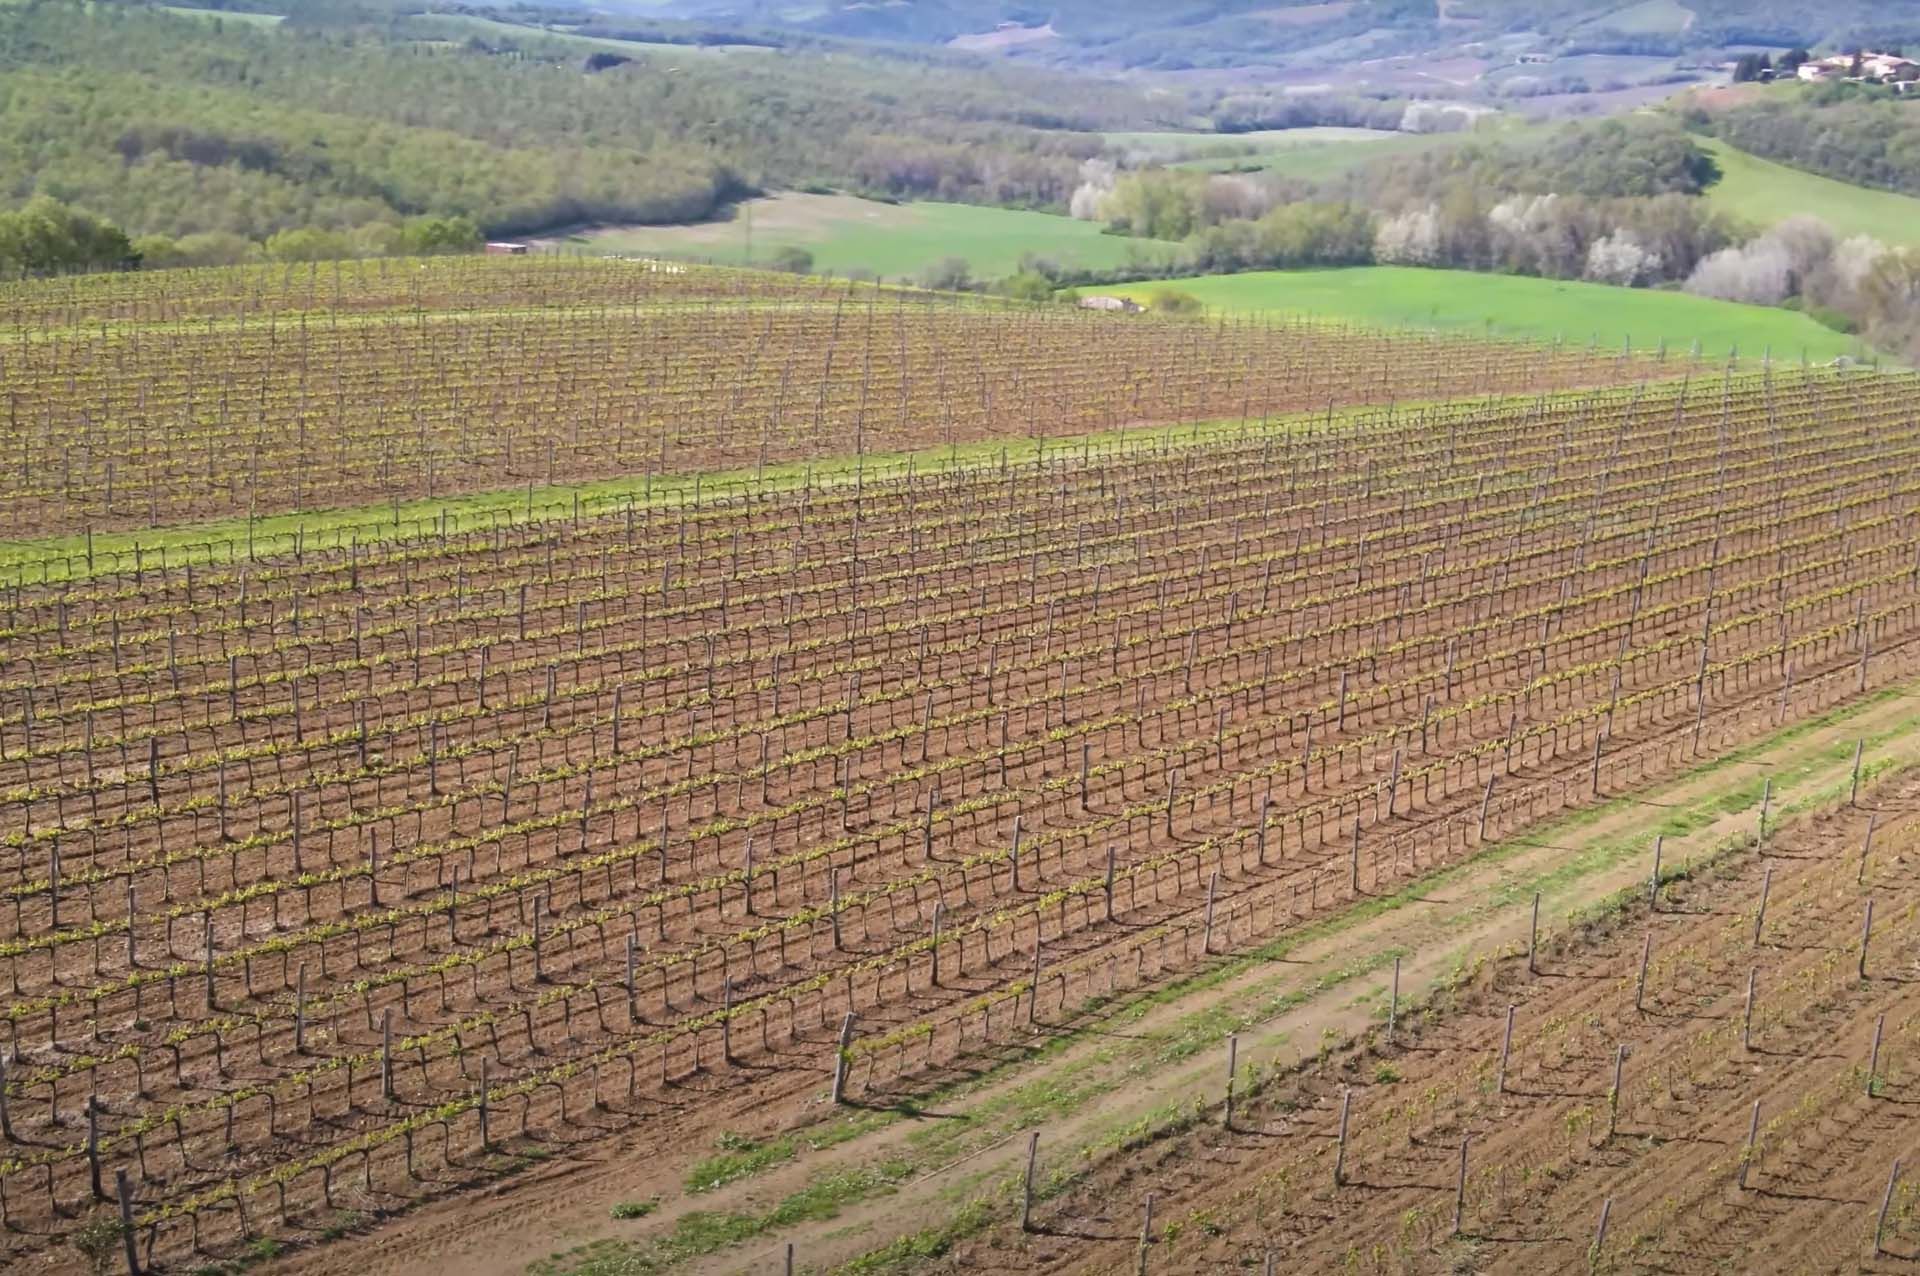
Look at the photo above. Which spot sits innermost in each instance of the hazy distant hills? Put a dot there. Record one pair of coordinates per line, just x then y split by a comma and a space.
1218, 33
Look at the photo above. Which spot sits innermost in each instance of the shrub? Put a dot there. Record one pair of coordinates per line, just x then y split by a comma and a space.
952, 274
97, 1242
1171, 301
793, 259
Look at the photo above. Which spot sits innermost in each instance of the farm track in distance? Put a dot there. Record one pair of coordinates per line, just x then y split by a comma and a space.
312, 860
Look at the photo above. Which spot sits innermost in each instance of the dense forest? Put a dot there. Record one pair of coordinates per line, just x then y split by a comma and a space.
179, 124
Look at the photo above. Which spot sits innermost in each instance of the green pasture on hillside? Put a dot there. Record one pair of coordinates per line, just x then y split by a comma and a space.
893, 241
1517, 307
1763, 192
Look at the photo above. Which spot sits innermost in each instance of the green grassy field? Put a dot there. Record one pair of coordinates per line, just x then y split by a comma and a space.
1516, 307
894, 241
1649, 17
462, 25
1173, 147
1764, 192
1319, 161
227, 15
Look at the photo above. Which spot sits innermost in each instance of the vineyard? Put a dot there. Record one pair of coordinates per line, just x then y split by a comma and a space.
1727, 1067
136, 404
340, 872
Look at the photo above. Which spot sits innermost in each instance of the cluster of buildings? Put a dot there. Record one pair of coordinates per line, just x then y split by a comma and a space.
1901, 73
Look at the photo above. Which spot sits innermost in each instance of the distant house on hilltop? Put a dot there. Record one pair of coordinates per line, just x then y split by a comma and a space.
1125, 305
503, 249
1865, 66
1890, 68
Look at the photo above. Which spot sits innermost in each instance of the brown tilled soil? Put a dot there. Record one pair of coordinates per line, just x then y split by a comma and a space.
579, 732
1551, 1151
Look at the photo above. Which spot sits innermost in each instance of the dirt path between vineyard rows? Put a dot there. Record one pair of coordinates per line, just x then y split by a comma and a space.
1089, 1081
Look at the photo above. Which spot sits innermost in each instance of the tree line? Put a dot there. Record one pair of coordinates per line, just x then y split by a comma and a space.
1860, 134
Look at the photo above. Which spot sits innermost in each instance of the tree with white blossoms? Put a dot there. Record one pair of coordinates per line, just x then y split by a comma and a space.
1097, 177
1622, 259
1411, 238
1759, 273
1794, 257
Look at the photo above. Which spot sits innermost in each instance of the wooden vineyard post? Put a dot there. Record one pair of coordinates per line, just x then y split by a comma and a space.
833, 904
1599, 739
1013, 854
1746, 1020
125, 1195
1859, 746
633, 991
841, 1060
1760, 916
1206, 929
1266, 805
6, 1116
1766, 806
1340, 1157
1600, 1236
1026, 1183
300, 1010
933, 950
486, 1086
1533, 936
1353, 860
1109, 884
1886, 1203
789, 1268
1873, 1060
1146, 1230
539, 936
386, 1054
93, 1146
746, 877
1866, 846
207, 940
1486, 800
1753, 1136
1393, 1004
1506, 1050
1640, 988
1866, 935
1233, 1060
926, 831
1653, 880
726, 1020
1613, 1095
1033, 990
1460, 1187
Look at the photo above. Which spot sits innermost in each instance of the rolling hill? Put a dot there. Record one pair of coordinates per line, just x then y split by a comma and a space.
1215, 33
